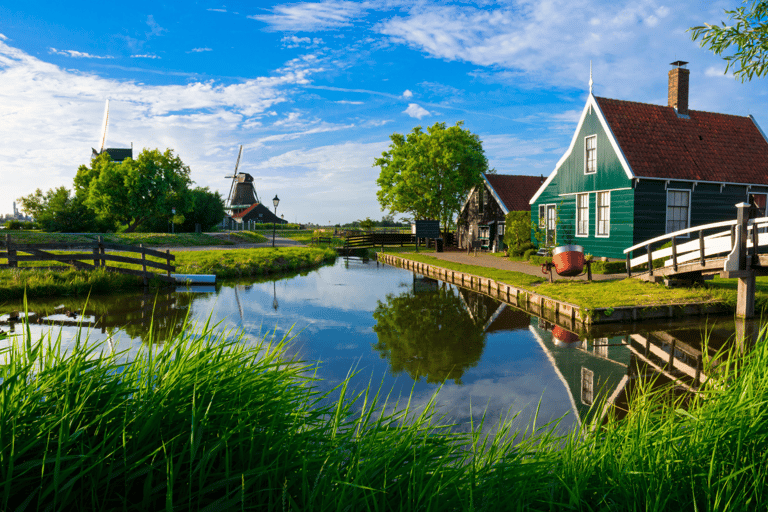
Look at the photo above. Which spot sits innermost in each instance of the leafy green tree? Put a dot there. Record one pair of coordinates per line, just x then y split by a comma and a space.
137, 191
517, 228
747, 32
429, 174
367, 224
428, 335
207, 209
59, 210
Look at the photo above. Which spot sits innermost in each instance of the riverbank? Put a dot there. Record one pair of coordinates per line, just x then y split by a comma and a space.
226, 263
147, 239
209, 420
586, 303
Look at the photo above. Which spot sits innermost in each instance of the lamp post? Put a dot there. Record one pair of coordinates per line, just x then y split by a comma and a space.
173, 228
275, 202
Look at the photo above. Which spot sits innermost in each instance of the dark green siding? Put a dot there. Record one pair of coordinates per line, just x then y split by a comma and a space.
709, 203
610, 176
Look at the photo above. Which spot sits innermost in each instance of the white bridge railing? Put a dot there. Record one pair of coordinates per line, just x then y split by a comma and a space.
699, 247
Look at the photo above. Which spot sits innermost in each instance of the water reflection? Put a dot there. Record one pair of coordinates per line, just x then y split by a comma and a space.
413, 334
428, 333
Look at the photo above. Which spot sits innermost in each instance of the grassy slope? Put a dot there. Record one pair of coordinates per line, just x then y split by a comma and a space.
202, 423
224, 263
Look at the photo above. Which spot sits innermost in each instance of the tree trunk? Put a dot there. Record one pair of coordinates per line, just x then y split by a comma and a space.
133, 225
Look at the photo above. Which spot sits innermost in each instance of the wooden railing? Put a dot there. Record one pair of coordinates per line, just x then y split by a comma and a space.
96, 258
379, 239
703, 244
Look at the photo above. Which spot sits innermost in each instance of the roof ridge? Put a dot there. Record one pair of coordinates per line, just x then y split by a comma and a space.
666, 106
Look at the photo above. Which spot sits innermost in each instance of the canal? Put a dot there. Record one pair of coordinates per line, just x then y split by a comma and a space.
408, 335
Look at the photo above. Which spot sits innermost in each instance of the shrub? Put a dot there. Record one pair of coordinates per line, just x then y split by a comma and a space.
528, 253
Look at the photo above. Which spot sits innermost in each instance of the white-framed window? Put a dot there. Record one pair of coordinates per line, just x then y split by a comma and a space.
590, 154
582, 215
542, 216
678, 210
603, 224
551, 223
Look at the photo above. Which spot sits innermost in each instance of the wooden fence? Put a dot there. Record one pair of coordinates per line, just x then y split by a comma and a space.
96, 258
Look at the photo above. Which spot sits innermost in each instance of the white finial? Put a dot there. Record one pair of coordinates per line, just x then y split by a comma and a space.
590, 77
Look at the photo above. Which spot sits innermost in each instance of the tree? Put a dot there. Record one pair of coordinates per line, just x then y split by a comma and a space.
428, 334
429, 174
59, 210
207, 209
749, 35
137, 191
517, 228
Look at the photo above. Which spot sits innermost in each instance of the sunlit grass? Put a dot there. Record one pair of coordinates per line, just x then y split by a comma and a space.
209, 422
250, 262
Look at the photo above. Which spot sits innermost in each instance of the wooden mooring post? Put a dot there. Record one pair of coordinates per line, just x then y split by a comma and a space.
11, 253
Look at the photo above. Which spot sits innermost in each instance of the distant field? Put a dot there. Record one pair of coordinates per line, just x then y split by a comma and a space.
148, 239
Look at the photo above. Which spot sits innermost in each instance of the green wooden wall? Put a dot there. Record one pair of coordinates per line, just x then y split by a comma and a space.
610, 176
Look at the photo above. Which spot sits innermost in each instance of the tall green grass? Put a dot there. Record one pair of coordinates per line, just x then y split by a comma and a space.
208, 422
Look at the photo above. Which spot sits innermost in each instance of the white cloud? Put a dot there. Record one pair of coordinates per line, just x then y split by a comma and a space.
718, 72
296, 42
145, 56
155, 29
217, 10
78, 55
200, 50
40, 101
407, 94
307, 17
347, 102
416, 111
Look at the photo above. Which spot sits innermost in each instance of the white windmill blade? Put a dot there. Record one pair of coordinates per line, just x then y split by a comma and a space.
105, 124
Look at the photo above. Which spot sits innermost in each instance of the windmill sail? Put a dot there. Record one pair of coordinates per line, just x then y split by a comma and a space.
105, 124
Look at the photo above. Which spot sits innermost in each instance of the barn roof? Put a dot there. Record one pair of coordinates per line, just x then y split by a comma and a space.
702, 146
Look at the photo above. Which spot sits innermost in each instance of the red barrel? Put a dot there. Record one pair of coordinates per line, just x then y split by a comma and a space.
568, 260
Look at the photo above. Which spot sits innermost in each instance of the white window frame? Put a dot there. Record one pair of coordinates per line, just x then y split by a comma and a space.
553, 221
587, 386
607, 234
542, 216
586, 155
579, 220
666, 211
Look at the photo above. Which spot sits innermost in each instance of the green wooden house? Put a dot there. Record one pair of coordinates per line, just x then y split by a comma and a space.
634, 171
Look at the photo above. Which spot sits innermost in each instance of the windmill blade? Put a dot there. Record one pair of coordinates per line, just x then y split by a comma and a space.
105, 124
238, 159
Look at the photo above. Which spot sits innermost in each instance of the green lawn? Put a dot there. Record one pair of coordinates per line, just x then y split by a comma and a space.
148, 239
603, 294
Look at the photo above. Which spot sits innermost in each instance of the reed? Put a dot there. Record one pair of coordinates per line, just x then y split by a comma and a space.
207, 421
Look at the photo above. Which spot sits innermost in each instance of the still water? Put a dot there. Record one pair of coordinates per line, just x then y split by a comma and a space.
408, 335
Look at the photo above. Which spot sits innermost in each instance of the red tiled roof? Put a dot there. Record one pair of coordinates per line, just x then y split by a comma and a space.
707, 147
515, 191
244, 212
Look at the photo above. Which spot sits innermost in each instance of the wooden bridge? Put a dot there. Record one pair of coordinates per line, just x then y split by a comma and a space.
730, 249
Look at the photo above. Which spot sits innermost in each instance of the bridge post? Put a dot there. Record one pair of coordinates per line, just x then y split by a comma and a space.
745, 289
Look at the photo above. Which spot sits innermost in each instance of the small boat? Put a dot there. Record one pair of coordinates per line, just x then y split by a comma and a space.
568, 260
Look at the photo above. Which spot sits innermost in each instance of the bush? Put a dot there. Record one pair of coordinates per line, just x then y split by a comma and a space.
528, 253
18, 225
519, 250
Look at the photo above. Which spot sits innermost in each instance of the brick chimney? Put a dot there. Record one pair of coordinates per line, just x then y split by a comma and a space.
677, 95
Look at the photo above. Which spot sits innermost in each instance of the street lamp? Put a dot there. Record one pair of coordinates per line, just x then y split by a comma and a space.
275, 202
173, 228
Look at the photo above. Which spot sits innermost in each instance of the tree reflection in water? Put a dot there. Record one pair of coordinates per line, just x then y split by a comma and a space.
428, 334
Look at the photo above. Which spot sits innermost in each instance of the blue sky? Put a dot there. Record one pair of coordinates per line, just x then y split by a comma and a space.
313, 90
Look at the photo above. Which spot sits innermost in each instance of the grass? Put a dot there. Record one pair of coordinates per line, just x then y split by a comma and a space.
601, 294
208, 422
148, 239
39, 282
251, 262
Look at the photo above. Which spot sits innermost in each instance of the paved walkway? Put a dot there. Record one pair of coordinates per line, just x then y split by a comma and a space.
490, 261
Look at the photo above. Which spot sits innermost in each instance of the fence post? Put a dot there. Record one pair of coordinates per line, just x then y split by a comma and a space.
674, 253
629, 268
168, 261
650, 259
144, 263
701, 246
11, 253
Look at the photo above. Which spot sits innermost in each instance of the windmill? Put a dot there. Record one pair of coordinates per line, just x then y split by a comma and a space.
117, 154
242, 194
